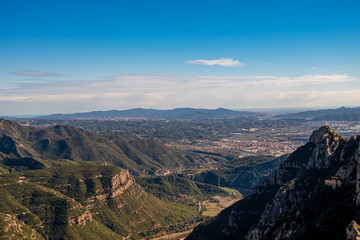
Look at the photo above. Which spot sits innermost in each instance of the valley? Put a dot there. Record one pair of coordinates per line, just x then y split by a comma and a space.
65, 182
238, 137
179, 120
312, 195
177, 173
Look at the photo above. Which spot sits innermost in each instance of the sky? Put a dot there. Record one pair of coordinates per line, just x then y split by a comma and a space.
64, 56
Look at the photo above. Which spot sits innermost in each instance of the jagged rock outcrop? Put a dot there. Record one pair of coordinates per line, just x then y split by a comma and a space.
326, 169
353, 231
326, 142
118, 184
295, 183
13, 228
82, 219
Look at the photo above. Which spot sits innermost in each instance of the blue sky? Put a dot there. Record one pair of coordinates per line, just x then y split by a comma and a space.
75, 56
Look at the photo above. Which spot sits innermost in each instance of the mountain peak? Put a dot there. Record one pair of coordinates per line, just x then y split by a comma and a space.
353, 231
326, 142
324, 132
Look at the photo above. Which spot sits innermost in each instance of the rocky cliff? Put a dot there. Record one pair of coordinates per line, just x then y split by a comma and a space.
315, 194
84, 202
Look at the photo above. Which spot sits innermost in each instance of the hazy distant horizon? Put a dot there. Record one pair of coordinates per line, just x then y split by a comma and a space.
257, 110
66, 57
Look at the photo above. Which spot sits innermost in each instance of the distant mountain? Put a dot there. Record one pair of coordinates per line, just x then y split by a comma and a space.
38, 148
313, 195
153, 114
339, 114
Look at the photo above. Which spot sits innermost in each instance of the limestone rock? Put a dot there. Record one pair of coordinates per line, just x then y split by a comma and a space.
119, 183
353, 231
326, 142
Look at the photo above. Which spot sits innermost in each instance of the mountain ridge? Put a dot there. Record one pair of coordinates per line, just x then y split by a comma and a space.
60, 183
84, 202
313, 195
338, 114
154, 114
65, 143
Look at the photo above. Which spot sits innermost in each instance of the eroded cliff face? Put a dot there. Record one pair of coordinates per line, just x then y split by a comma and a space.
326, 142
326, 169
111, 188
81, 219
118, 184
353, 231
326, 153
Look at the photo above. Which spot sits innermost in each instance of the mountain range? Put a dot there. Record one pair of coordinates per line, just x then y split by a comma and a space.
338, 114
37, 148
313, 195
61, 183
153, 114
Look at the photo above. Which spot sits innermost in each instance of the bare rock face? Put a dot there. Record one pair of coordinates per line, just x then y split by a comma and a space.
353, 231
330, 151
333, 182
280, 207
118, 185
82, 219
326, 142
294, 184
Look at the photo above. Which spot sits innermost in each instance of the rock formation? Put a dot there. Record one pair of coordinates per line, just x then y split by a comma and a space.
353, 231
316, 190
118, 184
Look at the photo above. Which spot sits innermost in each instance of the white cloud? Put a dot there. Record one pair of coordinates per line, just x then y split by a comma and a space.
34, 73
279, 81
224, 62
168, 91
316, 68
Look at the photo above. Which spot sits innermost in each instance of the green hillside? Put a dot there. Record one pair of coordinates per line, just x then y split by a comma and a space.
242, 174
65, 143
180, 189
85, 202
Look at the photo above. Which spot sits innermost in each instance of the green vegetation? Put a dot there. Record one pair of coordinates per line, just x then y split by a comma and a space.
64, 143
249, 208
61, 182
175, 188
243, 173
170, 130
74, 201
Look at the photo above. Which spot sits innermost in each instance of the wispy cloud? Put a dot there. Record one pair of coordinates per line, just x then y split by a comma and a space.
34, 73
281, 81
316, 68
224, 62
168, 91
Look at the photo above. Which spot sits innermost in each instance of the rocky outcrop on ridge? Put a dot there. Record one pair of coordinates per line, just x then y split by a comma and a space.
353, 231
118, 184
317, 187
